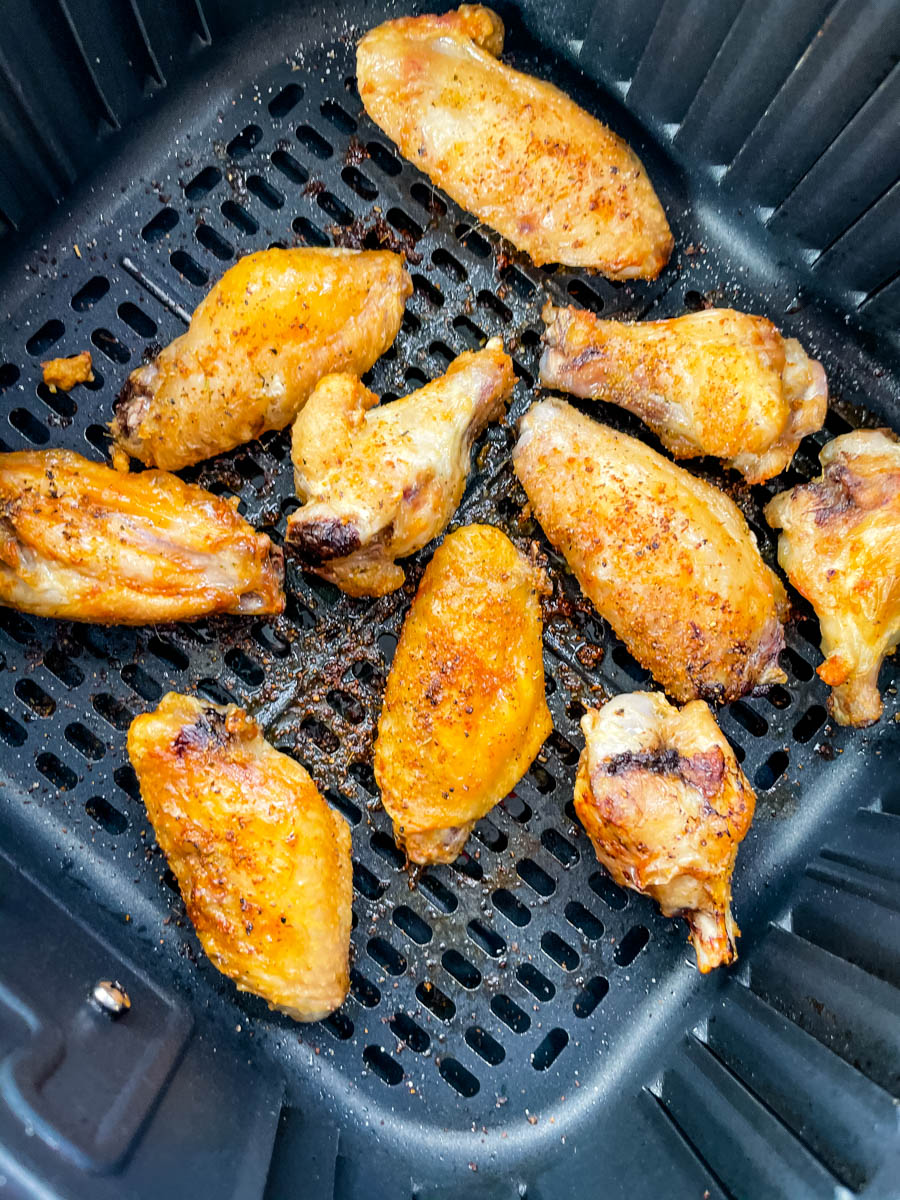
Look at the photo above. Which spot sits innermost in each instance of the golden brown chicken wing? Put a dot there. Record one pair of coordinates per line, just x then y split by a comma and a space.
841, 549
513, 150
81, 541
378, 483
464, 711
262, 861
717, 382
273, 325
665, 803
666, 558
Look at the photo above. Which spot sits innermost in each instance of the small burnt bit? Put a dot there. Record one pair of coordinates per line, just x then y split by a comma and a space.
374, 233
130, 405
316, 542
208, 732
703, 771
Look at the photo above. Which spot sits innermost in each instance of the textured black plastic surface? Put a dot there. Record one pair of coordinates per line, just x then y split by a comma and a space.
516, 1023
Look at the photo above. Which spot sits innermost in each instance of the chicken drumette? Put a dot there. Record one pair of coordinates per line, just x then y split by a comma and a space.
841, 549
666, 558
717, 382
464, 711
81, 541
665, 804
512, 149
378, 483
262, 862
273, 325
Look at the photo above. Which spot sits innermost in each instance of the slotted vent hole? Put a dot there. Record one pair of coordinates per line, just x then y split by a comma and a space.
202, 184
590, 996
512, 1016
387, 956
631, 945
314, 142
486, 938
85, 742
56, 771
559, 951
34, 696
461, 1080
213, 241
339, 1025
289, 167
289, 97
536, 877
363, 990
406, 1030
561, 849
415, 928
485, 1045
106, 815
337, 116
549, 1049
245, 142
511, 908
11, 732
584, 920
265, 192
536, 982
160, 226
768, 774
88, 295
359, 183
436, 1001
464, 972
189, 268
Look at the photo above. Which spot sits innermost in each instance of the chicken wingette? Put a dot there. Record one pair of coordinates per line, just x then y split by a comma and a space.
840, 548
665, 803
379, 483
262, 862
273, 325
717, 382
512, 149
464, 711
666, 558
81, 541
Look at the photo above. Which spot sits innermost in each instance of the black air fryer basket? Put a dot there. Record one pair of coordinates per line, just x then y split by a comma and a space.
517, 1025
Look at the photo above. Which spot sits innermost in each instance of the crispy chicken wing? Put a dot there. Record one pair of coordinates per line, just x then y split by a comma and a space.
841, 549
378, 483
464, 711
513, 150
262, 861
81, 541
666, 558
273, 325
717, 382
665, 803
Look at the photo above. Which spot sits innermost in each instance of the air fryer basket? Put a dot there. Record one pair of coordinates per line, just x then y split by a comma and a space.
517, 1025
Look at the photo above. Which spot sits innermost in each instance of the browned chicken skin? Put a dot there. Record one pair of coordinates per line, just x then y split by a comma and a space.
841, 549
262, 861
81, 541
717, 382
380, 482
273, 325
513, 150
666, 558
665, 803
464, 711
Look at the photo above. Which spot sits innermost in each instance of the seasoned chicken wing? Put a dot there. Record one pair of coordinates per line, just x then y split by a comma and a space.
665, 803
841, 549
378, 483
513, 150
464, 711
666, 558
273, 325
717, 382
262, 861
81, 541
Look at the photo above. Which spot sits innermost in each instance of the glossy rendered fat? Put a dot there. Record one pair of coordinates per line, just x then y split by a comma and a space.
513, 150
716, 382
81, 541
262, 862
464, 710
273, 325
666, 558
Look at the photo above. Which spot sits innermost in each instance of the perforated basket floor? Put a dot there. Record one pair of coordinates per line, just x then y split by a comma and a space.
517, 1024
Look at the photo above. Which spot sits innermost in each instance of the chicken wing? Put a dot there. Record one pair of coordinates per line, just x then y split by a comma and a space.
378, 483
262, 861
272, 326
665, 803
464, 711
81, 541
513, 150
666, 558
717, 382
841, 549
